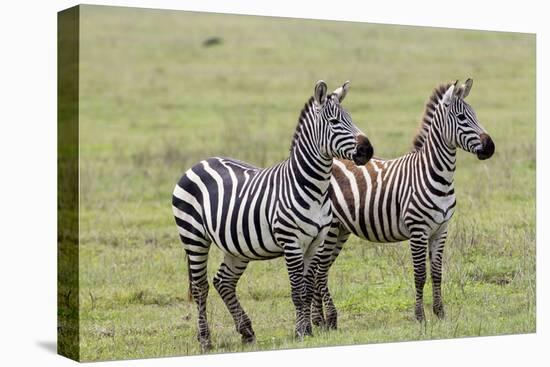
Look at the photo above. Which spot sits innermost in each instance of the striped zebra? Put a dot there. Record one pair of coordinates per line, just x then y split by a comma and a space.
411, 197
259, 214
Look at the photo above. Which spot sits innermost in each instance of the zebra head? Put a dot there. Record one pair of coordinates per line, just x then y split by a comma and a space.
464, 129
340, 138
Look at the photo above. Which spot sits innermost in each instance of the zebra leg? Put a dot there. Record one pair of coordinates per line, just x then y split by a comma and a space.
419, 244
334, 241
196, 243
437, 244
309, 281
197, 262
311, 262
323, 259
332, 313
294, 261
225, 282
317, 314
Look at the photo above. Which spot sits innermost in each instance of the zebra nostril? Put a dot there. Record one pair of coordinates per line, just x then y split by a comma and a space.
487, 147
370, 151
364, 150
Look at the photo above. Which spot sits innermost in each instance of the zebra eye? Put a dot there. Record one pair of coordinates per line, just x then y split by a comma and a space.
461, 117
334, 121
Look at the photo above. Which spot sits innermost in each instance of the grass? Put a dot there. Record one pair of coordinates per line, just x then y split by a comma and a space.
155, 99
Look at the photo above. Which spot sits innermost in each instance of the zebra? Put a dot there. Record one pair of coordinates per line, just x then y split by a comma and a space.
411, 197
259, 214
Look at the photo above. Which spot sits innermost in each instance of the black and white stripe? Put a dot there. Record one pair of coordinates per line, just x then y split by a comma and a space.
411, 197
258, 214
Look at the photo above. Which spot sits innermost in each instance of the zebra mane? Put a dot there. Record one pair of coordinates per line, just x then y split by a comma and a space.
426, 122
305, 111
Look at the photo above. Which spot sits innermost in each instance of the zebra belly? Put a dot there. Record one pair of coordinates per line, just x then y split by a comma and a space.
381, 233
436, 218
245, 231
432, 215
243, 249
248, 232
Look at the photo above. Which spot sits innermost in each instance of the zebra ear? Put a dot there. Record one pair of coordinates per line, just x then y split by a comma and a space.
466, 87
448, 96
341, 92
320, 93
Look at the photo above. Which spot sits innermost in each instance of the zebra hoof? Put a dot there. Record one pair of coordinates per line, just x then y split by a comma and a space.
248, 339
300, 337
206, 346
303, 334
306, 331
332, 320
439, 311
419, 314
318, 321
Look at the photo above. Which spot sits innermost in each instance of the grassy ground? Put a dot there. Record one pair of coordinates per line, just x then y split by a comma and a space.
155, 100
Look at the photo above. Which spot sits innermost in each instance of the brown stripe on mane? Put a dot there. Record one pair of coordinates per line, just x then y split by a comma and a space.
426, 122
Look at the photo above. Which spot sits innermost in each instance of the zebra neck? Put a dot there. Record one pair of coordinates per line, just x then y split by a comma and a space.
310, 168
439, 155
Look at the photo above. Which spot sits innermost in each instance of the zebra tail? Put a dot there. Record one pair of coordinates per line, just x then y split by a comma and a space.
189, 293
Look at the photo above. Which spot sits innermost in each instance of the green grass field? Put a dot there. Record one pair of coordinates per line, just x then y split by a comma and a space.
154, 100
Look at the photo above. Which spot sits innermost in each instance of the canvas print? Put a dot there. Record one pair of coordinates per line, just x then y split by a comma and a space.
234, 183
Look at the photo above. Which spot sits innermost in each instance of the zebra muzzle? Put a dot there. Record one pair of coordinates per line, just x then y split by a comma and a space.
363, 152
487, 147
